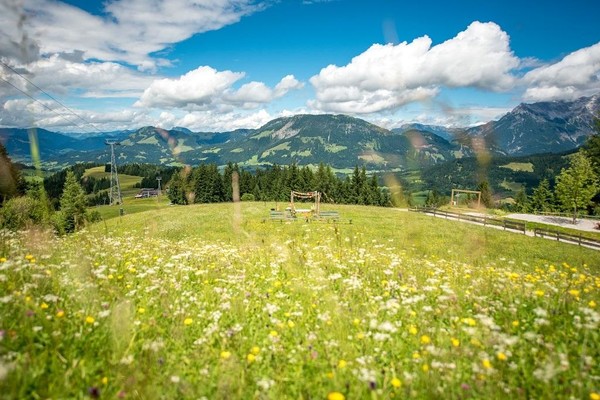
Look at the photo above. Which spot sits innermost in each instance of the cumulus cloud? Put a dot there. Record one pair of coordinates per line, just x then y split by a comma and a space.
206, 89
386, 77
131, 31
576, 75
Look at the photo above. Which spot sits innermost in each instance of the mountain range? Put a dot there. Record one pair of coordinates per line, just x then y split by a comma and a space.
339, 140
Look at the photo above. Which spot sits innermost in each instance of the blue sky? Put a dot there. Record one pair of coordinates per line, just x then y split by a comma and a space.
224, 64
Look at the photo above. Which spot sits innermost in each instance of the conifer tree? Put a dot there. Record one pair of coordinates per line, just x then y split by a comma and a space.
73, 204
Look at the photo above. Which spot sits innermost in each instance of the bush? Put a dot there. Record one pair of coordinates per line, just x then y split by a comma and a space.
248, 197
21, 212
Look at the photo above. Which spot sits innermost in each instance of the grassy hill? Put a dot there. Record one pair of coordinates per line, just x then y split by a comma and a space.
207, 300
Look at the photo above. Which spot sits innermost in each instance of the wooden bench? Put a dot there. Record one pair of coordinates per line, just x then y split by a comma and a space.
278, 216
333, 215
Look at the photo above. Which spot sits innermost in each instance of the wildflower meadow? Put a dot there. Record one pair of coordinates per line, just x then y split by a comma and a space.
212, 302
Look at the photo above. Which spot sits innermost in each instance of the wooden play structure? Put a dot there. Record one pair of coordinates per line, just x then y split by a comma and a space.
454, 203
311, 212
292, 212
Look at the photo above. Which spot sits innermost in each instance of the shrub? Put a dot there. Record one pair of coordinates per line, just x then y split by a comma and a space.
21, 212
248, 197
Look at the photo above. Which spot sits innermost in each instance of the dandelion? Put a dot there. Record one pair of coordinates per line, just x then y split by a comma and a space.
141, 310
2, 259
105, 380
425, 367
455, 342
486, 363
89, 319
356, 322
515, 323
412, 330
425, 339
342, 364
539, 293
188, 321
291, 324
225, 355
43, 306
574, 292
469, 321
360, 335
60, 314
250, 358
592, 304
501, 356
335, 396
273, 334
396, 383
594, 396
255, 350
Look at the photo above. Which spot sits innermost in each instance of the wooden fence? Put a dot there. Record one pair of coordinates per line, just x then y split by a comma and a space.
479, 219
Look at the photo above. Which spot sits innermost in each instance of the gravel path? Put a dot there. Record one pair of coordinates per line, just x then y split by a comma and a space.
582, 224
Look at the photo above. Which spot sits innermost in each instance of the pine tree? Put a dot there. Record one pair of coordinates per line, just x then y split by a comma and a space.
521, 201
542, 198
486, 194
73, 204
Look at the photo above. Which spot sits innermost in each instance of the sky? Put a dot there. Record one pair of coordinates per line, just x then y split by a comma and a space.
219, 65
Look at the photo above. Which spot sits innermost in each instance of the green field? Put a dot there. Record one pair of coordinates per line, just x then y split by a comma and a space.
209, 301
519, 166
127, 182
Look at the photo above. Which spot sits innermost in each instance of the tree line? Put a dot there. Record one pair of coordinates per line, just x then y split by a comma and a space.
206, 184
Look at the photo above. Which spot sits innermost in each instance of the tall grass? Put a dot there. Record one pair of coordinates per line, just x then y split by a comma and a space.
210, 301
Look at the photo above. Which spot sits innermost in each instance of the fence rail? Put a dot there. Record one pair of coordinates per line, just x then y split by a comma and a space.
483, 220
579, 239
567, 237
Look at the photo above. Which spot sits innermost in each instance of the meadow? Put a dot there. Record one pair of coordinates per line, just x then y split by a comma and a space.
209, 301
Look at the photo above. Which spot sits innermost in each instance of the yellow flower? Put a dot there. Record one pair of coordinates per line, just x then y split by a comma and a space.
396, 383
592, 304
336, 396
291, 324
356, 321
330, 375
273, 334
342, 364
43, 306
225, 355
539, 293
515, 323
501, 356
574, 292
360, 335
455, 342
89, 319
594, 396
486, 364
105, 380
2, 259
29, 257
469, 321
188, 321
425, 367
255, 350
60, 314
412, 330
141, 310
251, 358
425, 339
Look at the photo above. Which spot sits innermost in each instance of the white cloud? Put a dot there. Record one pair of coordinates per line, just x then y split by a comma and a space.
207, 89
198, 87
15, 41
130, 31
46, 114
219, 122
386, 77
576, 75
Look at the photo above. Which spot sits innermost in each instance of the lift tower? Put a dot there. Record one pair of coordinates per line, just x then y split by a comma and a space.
115, 188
